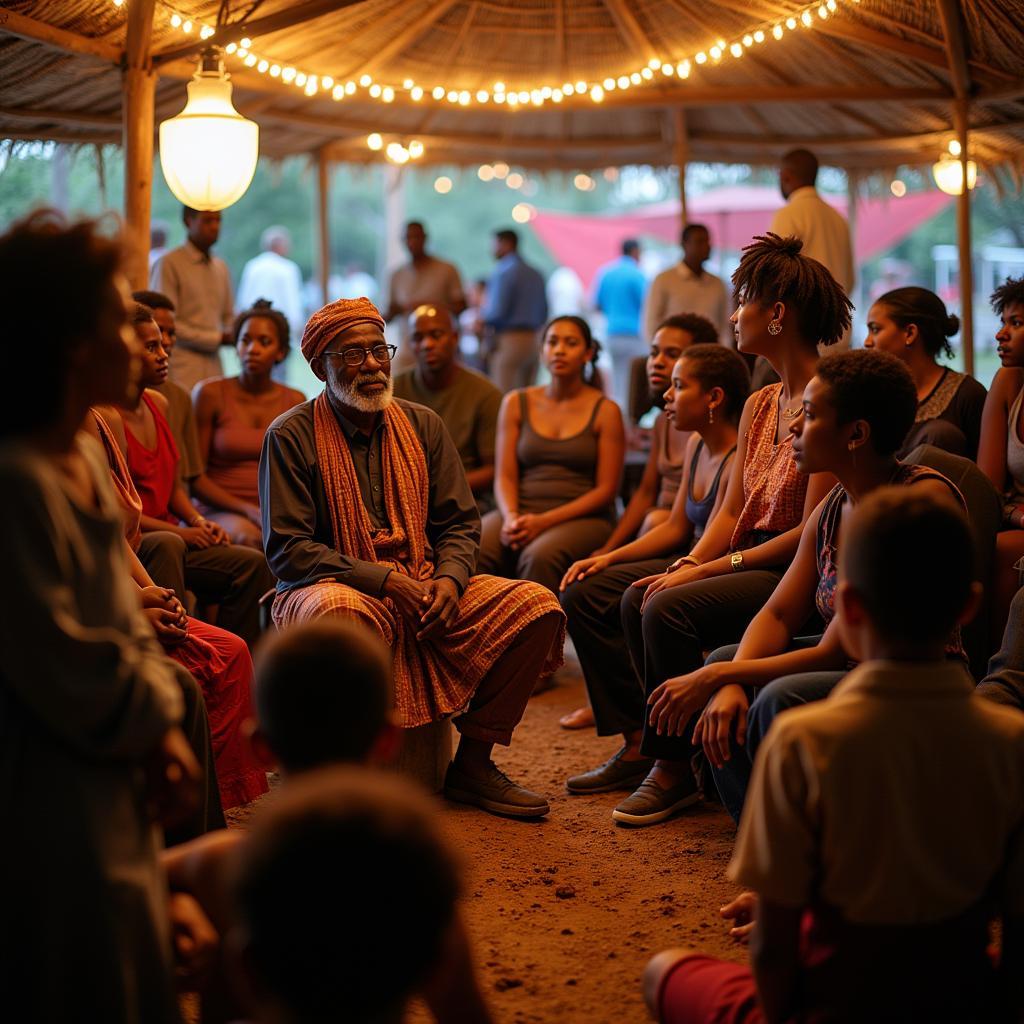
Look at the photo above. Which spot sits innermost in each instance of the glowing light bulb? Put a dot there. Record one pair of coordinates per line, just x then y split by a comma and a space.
231, 47
438, 92
748, 40
522, 213
416, 149
416, 92
275, 70
250, 60
350, 88
263, 66
365, 80
580, 87
514, 180
807, 19
647, 74
443, 185
500, 170
683, 69
654, 64
701, 58
464, 98
187, 27
300, 79
288, 75
338, 92
668, 69
387, 94
245, 43
715, 52
482, 96
736, 50
635, 78
327, 82
759, 36
597, 94
408, 84
777, 31
176, 21
557, 95
374, 140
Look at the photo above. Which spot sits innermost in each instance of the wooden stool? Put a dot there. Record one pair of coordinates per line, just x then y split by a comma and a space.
425, 753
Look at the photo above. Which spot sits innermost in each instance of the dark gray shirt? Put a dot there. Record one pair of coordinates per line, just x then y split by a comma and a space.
296, 520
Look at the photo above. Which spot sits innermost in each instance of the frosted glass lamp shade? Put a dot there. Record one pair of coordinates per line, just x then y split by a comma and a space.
949, 175
208, 152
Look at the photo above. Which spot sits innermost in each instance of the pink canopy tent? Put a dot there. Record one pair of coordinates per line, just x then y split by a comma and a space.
733, 215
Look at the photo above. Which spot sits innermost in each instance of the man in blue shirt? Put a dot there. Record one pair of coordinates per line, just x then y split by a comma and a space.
515, 308
619, 293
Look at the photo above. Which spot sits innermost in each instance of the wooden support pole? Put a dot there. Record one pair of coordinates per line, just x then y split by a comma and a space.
323, 201
137, 117
963, 234
681, 155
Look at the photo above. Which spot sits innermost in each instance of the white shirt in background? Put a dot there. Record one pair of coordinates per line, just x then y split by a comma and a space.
278, 279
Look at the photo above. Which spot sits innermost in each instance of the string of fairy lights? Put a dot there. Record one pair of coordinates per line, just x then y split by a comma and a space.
510, 96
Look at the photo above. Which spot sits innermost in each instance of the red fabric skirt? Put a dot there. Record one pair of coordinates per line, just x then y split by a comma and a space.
221, 664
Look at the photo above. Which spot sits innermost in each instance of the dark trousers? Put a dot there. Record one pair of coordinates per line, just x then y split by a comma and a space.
669, 637
230, 576
547, 557
499, 701
766, 702
592, 608
1004, 681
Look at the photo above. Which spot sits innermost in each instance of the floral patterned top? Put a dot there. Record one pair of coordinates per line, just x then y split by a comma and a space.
773, 488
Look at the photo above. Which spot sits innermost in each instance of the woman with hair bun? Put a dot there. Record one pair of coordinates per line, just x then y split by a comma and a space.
232, 416
558, 463
913, 325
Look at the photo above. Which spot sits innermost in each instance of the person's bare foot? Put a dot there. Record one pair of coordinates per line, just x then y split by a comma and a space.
581, 718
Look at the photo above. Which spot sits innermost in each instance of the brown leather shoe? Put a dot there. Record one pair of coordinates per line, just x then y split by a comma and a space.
495, 793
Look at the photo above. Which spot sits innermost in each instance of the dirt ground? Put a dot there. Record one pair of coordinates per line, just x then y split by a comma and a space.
565, 912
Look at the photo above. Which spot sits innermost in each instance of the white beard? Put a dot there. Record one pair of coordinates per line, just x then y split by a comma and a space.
350, 394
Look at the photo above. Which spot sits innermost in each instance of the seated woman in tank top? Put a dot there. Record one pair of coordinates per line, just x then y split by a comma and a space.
789, 304
558, 464
232, 416
913, 325
651, 503
707, 390
856, 411
1001, 453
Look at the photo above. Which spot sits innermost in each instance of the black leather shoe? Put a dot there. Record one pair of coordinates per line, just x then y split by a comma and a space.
613, 774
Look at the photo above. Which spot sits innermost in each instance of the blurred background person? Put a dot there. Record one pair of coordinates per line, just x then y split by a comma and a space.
619, 291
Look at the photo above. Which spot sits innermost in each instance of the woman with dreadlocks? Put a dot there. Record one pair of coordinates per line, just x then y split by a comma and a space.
788, 305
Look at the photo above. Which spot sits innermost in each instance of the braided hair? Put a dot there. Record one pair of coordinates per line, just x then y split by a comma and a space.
264, 308
773, 269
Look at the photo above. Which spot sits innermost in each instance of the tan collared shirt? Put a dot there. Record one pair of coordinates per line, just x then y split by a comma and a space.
898, 800
199, 285
680, 290
433, 282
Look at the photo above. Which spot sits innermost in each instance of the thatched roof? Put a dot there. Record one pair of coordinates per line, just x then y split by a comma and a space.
871, 86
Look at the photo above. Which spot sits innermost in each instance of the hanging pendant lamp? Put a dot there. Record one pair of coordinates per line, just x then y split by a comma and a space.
208, 152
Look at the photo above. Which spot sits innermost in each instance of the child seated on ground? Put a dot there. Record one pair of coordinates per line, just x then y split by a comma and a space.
346, 898
878, 856
323, 698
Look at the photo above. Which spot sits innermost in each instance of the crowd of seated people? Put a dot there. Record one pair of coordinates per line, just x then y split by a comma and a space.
773, 621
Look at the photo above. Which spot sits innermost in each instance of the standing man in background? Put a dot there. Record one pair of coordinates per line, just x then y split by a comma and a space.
515, 309
619, 293
822, 228
273, 276
423, 281
199, 286
689, 288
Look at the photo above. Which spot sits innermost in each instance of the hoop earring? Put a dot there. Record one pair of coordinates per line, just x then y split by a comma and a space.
775, 327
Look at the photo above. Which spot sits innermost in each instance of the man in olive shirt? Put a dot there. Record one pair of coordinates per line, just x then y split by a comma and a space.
367, 516
467, 402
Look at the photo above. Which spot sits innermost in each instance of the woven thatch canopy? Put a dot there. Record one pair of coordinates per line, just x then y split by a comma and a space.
869, 87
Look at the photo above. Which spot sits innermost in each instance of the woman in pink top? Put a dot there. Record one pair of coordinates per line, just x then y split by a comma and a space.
232, 415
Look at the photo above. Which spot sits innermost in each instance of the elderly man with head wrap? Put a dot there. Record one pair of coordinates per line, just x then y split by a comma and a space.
367, 515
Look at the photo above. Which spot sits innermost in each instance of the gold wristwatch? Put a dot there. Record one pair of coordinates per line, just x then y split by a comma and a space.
736, 561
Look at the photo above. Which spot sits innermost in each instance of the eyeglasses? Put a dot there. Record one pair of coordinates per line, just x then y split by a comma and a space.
356, 355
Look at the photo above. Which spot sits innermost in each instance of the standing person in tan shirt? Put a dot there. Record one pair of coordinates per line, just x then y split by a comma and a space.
199, 285
879, 858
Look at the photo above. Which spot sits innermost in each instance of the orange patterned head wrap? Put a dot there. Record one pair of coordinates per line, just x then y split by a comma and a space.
327, 323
